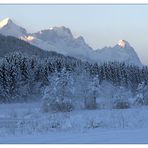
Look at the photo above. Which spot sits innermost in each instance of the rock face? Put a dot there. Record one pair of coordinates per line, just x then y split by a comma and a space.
61, 40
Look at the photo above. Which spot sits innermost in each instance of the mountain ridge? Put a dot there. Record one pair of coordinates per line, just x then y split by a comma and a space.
61, 40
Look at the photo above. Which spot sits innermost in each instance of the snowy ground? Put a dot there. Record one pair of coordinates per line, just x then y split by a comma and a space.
25, 123
93, 136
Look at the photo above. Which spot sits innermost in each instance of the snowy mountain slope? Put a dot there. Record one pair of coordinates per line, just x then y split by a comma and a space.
61, 40
122, 52
39, 43
10, 44
7, 27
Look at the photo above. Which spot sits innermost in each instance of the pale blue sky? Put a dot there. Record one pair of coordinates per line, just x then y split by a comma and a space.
100, 25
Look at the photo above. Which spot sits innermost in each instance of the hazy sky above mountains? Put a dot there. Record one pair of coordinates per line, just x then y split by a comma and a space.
100, 25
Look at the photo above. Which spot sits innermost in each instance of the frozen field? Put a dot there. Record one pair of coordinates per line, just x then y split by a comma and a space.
25, 123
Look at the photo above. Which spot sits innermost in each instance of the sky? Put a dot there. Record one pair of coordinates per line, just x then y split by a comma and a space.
100, 25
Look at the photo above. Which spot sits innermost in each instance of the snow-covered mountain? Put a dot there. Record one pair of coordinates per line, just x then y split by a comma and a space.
122, 52
7, 27
61, 40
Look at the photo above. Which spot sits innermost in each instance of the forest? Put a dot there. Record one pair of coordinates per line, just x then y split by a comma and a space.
65, 83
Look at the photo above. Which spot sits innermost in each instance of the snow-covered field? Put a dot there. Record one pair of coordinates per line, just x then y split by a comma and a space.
93, 136
25, 123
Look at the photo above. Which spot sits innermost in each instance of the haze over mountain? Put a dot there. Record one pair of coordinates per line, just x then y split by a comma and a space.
61, 40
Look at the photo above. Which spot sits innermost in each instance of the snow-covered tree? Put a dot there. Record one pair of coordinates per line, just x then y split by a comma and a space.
142, 94
58, 95
92, 93
121, 98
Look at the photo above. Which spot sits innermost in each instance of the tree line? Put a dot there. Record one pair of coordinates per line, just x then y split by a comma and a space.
24, 76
